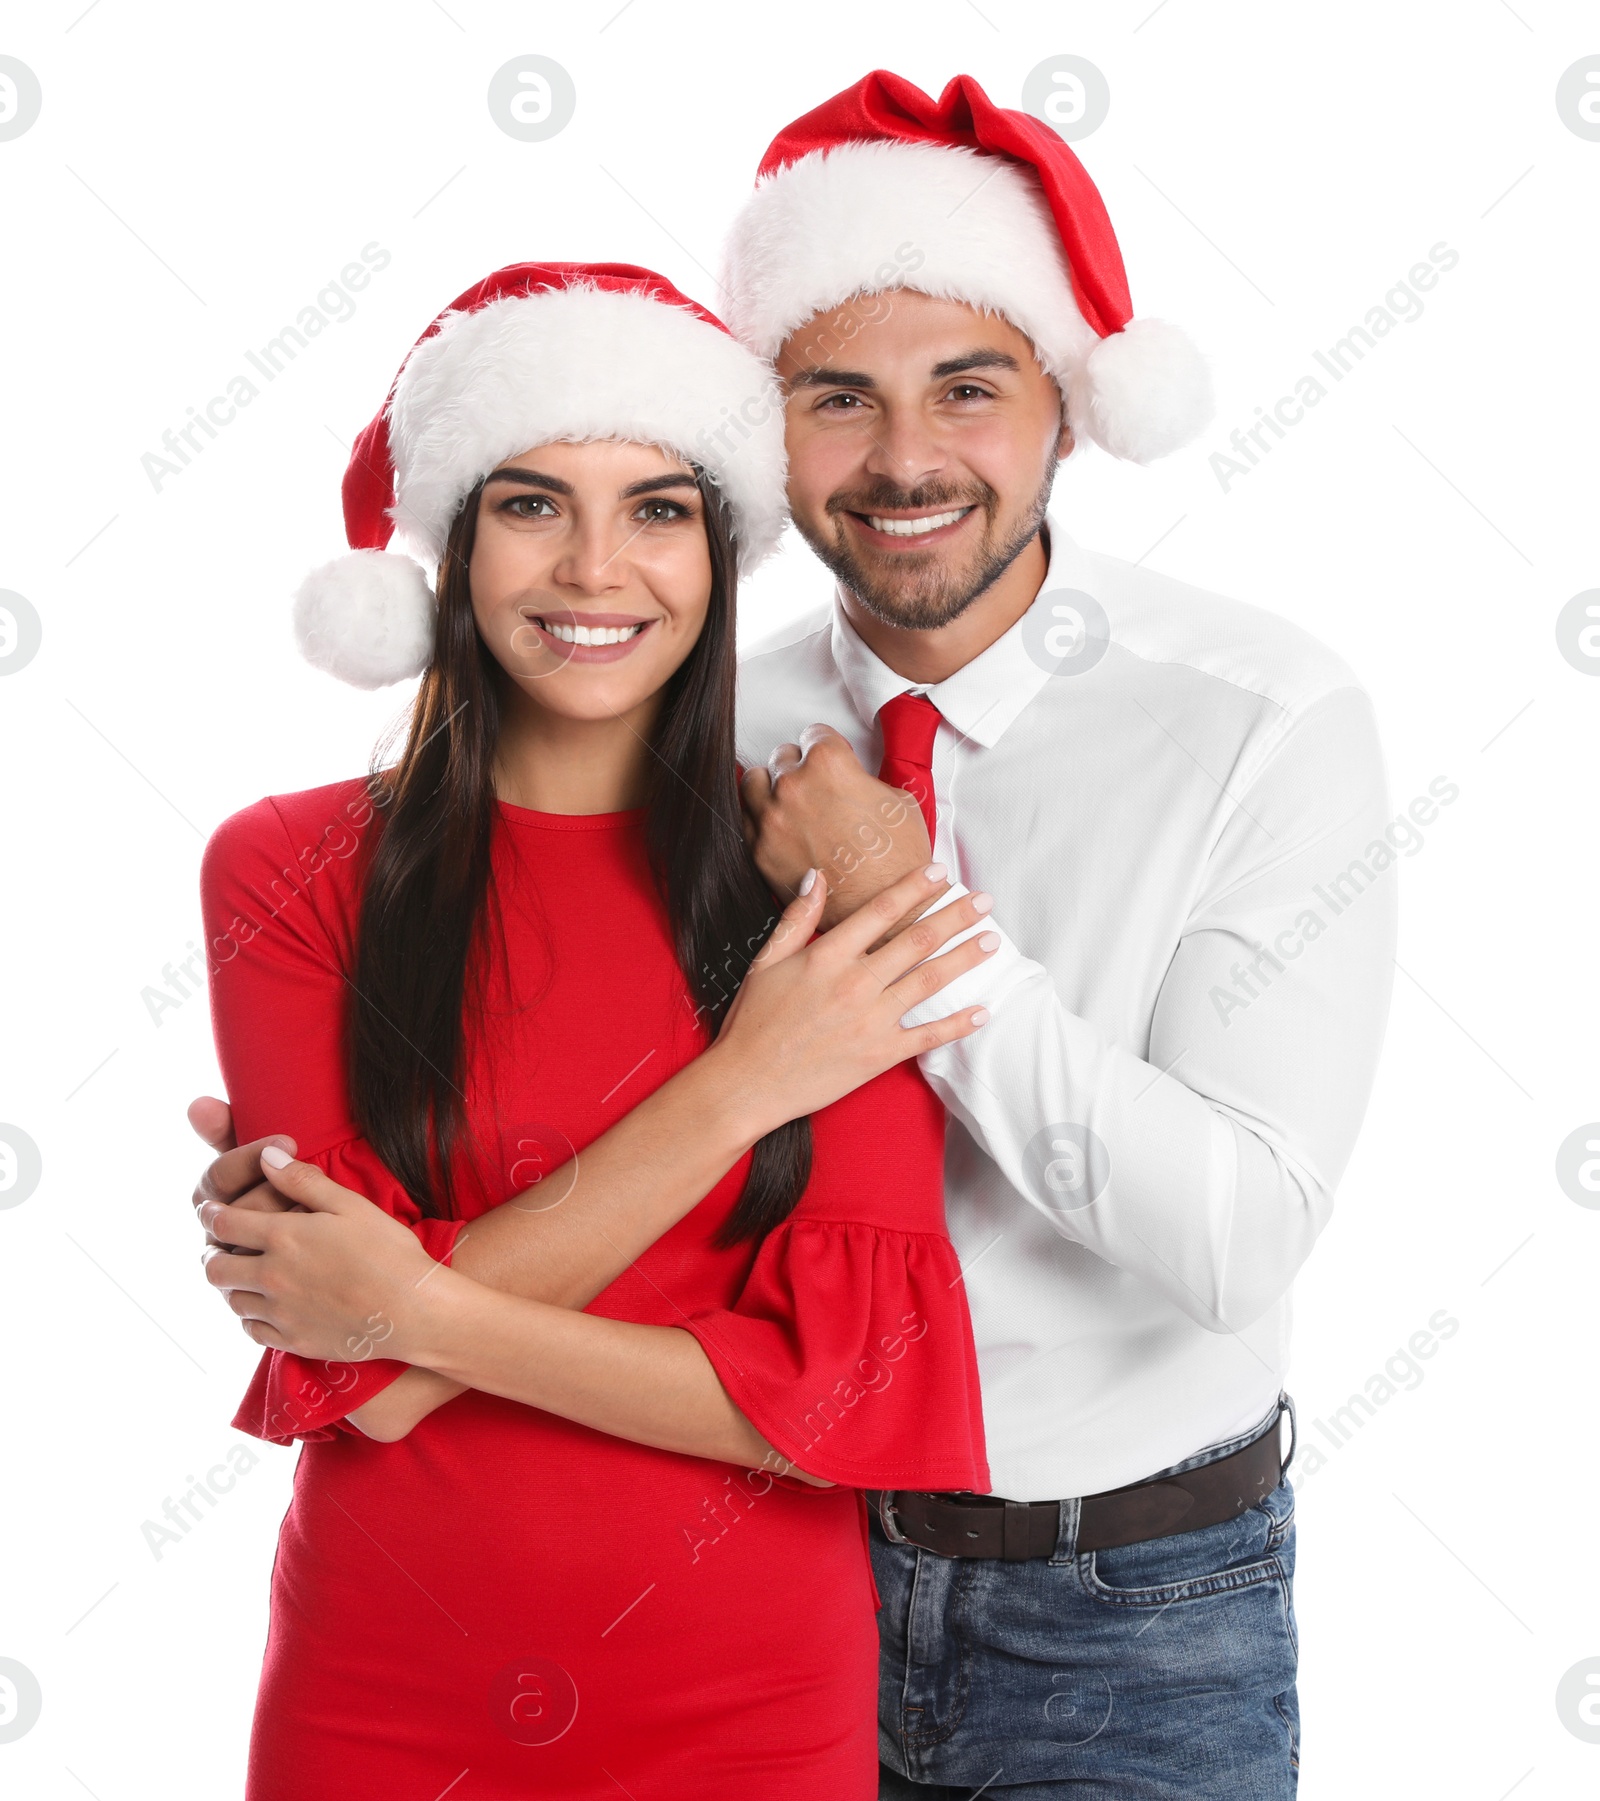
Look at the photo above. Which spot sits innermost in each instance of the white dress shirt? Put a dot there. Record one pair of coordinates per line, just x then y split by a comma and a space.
1179, 804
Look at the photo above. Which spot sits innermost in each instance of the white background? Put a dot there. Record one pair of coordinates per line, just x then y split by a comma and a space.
198, 174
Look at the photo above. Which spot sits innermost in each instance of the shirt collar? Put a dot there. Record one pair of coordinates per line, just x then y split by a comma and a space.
984, 696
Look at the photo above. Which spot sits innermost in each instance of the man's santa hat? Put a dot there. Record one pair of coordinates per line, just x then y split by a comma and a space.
882, 187
537, 353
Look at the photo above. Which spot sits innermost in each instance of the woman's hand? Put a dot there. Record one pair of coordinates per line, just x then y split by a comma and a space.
335, 1279
815, 1017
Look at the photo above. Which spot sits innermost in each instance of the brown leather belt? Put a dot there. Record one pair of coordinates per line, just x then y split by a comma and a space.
988, 1526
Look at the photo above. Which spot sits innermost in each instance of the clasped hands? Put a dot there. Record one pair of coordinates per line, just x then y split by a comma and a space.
312, 1267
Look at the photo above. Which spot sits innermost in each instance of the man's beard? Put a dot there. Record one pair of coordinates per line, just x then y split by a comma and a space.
922, 594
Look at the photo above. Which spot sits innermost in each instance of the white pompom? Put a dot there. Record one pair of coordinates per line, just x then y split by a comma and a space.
1142, 392
366, 617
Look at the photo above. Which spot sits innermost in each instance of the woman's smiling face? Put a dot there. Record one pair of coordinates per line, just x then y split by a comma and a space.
591, 573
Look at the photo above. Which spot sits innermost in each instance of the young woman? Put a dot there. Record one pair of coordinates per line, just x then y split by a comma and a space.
647, 1189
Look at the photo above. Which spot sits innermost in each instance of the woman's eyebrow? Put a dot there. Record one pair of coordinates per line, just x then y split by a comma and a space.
655, 483
530, 478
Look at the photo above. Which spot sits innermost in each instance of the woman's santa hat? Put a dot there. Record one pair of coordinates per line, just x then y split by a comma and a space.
881, 187
537, 353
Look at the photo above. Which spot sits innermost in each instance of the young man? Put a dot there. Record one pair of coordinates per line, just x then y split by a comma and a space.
1178, 803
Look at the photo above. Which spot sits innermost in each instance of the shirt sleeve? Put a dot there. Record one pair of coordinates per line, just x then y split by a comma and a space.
849, 1346
1207, 1164
277, 1015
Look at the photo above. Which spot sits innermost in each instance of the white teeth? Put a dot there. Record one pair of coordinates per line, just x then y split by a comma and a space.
914, 528
592, 634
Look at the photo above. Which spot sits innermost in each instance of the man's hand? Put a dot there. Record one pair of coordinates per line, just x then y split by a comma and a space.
234, 1178
814, 807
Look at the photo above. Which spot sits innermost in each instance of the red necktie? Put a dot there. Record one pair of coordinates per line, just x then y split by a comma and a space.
909, 723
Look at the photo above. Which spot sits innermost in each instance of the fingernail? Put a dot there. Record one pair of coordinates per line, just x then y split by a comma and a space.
981, 1017
981, 902
935, 872
275, 1158
990, 941
808, 881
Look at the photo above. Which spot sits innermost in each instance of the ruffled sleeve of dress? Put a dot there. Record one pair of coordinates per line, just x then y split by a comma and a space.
279, 897
849, 1347
292, 1397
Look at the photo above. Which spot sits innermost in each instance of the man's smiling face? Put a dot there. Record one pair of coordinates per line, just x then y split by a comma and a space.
922, 436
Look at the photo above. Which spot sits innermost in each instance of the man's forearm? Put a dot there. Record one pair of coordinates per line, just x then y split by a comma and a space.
1180, 1189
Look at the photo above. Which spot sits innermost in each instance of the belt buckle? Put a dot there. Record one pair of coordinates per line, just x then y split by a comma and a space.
886, 1517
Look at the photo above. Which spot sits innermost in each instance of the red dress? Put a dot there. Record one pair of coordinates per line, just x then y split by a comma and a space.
504, 1604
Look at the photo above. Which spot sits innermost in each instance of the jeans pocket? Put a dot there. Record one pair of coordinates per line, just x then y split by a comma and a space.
1279, 1508
1240, 1553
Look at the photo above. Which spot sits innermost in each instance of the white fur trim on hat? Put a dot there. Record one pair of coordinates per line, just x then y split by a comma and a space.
577, 364
366, 618
957, 224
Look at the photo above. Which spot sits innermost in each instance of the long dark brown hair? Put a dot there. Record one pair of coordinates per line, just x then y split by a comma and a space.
428, 921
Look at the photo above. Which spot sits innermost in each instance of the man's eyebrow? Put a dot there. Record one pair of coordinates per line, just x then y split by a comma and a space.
974, 359
863, 383
530, 478
653, 484
831, 378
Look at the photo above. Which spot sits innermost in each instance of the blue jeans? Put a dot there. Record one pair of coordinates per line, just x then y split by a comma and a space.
1162, 1671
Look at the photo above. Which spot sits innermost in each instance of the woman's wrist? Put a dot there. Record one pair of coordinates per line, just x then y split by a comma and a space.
431, 1330
737, 1106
